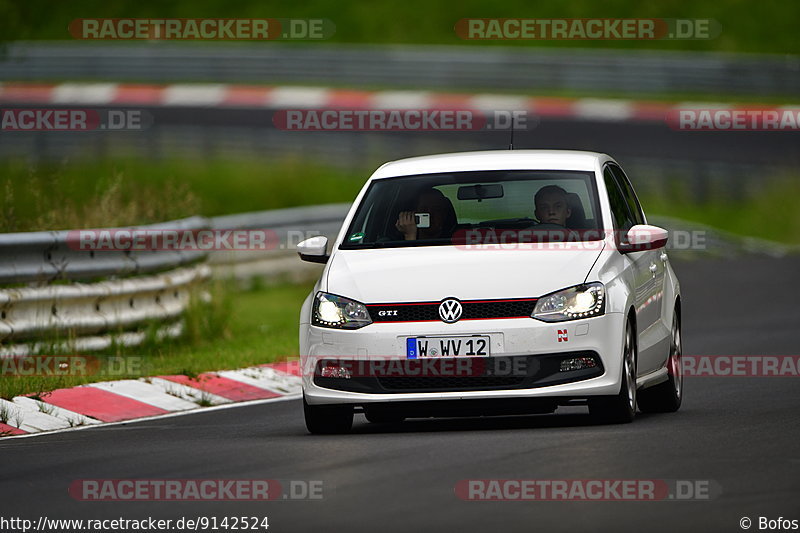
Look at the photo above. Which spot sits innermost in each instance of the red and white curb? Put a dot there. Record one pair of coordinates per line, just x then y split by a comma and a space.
290, 97
132, 399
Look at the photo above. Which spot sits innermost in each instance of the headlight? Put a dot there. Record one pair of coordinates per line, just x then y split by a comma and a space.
581, 301
331, 311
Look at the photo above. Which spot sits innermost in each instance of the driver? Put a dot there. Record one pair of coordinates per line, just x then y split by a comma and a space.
442, 217
550, 205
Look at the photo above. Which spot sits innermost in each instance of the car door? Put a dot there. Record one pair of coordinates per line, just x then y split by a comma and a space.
640, 262
651, 266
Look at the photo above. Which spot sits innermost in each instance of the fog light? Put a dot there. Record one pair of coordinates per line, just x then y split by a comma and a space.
333, 370
577, 363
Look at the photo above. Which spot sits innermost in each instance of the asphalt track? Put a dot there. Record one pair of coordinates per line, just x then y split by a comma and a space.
653, 140
742, 433
749, 154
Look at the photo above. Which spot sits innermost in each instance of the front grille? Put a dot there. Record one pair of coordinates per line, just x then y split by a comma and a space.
450, 383
472, 310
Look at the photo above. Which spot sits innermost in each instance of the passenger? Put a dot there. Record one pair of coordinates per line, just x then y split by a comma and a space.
442, 217
551, 206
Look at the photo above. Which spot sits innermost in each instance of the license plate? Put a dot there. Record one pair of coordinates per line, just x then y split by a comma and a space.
426, 347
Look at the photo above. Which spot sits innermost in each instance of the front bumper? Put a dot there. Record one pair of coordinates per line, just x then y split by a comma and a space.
453, 374
519, 338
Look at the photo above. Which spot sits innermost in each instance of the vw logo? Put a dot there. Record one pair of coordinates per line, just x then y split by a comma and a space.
450, 310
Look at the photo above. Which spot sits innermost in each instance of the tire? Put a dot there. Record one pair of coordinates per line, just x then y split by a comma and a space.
328, 419
666, 397
380, 416
621, 408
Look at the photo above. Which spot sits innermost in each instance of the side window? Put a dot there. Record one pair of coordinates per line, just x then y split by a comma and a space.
630, 196
623, 220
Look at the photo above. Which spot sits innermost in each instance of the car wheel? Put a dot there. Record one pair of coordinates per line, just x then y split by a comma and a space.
666, 397
328, 419
380, 416
621, 408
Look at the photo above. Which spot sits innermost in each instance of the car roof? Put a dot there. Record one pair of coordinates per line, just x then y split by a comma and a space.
493, 160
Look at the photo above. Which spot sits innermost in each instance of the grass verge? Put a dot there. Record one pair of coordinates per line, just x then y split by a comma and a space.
768, 213
770, 28
235, 330
114, 192
104, 193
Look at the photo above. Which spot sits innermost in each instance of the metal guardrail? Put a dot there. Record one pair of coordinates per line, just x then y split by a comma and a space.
137, 287
46, 256
638, 72
82, 309
290, 226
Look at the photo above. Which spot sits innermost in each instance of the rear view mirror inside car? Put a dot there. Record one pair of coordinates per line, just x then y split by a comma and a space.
480, 192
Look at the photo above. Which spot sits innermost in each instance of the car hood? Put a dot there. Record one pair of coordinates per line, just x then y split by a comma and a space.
432, 273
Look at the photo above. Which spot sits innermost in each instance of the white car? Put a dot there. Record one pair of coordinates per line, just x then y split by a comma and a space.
491, 283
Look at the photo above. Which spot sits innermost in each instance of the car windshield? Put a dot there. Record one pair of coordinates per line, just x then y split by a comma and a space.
444, 209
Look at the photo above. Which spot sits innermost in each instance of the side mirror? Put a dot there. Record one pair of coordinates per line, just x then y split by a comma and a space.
314, 250
643, 237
